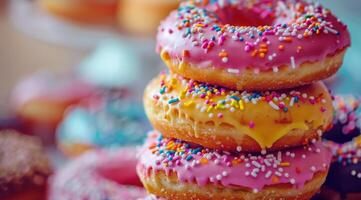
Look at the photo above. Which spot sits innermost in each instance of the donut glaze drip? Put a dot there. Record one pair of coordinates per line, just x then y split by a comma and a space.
194, 163
287, 32
264, 116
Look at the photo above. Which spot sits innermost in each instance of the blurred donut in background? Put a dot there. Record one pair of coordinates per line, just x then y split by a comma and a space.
113, 64
99, 175
143, 16
344, 178
24, 167
88, 11
111, 119
41, 99
347, 119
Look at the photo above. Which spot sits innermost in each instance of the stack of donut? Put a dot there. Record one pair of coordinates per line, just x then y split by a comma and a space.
242, 111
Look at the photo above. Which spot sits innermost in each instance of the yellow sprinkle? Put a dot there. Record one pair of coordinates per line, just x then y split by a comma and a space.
209, 108
203, 161
234, 103
182, 94
188, 103
173, 81
241, 106
219, 106
285, 164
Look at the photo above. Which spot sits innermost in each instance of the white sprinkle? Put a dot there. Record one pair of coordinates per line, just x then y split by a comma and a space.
256, 164
313, 168
331, 30
292, 181
268, 174
319, 132
268, 164
239, 148
275, 69
264, 152
292, 101
225, 59
219, 177
359, 175
230, 70
273, 105
224, 173
293, 64
353, 173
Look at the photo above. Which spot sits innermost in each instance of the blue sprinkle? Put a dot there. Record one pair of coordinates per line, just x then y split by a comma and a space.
189, 157
175, 100
195, 151
162, 90
235, 98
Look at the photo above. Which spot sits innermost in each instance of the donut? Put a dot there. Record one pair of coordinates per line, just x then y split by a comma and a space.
41, 99
174, 169
344, 178
143, 17
24, 167
109, 120
99, 175
216, 117
347, 119
253, 45
86, 11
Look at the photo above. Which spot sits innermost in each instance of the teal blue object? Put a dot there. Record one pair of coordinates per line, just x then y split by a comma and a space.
348, 79
112, 65
117, 123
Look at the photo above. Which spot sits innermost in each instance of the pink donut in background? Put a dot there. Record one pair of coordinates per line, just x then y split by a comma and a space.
99, 175
41, 99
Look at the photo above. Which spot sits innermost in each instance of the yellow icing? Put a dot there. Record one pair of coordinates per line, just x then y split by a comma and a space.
269, 124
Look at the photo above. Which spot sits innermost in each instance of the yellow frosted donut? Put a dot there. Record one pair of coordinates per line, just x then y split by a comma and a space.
216, 117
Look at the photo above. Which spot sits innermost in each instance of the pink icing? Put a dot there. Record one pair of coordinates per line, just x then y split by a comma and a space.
295, 166
99, 175
187, 35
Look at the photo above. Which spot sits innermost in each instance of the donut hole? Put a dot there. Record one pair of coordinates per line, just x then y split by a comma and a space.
243, 17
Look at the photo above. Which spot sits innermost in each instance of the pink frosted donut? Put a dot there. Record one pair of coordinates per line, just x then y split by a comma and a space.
41, 99
258, 44
99, 175
174, 169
